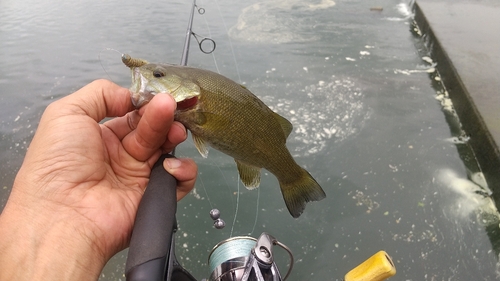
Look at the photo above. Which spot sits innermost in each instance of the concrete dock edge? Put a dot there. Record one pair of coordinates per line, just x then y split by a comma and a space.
481, 140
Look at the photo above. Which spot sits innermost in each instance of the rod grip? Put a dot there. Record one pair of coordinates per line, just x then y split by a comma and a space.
377, 268
153, 227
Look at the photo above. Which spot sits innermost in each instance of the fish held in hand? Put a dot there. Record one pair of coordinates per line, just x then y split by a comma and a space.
227, 116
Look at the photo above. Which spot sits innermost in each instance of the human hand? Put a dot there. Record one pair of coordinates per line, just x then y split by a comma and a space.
74, 200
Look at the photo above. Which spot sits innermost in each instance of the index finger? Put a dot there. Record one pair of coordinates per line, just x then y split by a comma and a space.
99, 99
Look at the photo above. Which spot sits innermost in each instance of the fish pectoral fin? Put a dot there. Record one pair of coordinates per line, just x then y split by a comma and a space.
284, 123
250, 175
200, 144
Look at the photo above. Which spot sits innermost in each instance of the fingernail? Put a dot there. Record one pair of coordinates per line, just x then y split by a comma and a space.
172, 163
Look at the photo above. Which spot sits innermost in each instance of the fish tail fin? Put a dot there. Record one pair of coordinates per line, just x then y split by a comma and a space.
301, 191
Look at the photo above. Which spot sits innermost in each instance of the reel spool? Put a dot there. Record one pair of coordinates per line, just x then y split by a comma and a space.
245, 258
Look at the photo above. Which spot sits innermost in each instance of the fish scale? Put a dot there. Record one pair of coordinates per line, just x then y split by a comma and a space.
226, 116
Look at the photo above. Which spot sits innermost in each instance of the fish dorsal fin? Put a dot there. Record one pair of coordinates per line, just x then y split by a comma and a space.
250, 175
200, 144
284, 123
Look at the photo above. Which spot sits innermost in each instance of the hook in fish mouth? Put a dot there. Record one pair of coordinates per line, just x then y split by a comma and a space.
140, 93
132, 62
152, 79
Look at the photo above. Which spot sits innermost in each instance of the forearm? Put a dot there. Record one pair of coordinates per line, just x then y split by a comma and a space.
31, 250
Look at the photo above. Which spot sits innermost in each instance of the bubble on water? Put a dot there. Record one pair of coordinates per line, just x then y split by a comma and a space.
330, 110
419, 69
463, 139
404, 11
445, 101
470, 198
278, 22
479, 179
427, 59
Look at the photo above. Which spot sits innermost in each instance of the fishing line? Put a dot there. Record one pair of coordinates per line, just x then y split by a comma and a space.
206, 193
240, 81
256, 212
190, 33
210, 35
100, 61
230, 42
227, 182
237, 207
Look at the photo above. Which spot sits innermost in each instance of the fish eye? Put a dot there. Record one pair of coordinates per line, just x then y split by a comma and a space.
158, 73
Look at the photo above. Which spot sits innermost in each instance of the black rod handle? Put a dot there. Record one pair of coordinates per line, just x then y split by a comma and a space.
153, 228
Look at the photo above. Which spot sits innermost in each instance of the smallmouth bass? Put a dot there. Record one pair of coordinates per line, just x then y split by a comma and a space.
227, 116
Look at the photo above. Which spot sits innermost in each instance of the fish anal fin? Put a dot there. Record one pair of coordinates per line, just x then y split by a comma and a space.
200, 144
250, 175
284, 123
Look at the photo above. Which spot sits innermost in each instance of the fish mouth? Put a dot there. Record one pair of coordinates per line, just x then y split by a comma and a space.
144, 89
137, 94
139, 99
187, 103
142, 98
141, 91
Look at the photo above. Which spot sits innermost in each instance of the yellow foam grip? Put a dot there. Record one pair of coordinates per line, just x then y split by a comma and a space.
377, 268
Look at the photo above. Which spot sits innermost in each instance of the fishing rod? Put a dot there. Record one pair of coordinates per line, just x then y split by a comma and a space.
151, 255
189, 33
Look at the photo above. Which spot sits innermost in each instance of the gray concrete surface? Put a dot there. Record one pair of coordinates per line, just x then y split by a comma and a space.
464, 39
